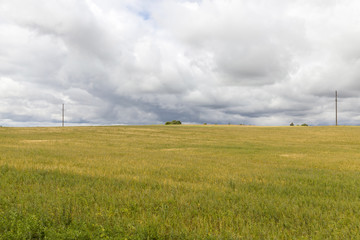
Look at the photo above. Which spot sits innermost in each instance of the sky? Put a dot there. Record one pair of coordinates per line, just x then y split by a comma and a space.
257, 62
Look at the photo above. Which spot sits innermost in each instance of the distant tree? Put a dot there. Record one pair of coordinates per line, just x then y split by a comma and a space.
173, 122
304, 125
292, 124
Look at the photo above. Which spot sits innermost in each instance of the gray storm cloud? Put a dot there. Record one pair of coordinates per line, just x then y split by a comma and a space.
146, 62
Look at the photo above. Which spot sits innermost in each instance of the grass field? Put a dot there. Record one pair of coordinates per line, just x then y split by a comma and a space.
180, 182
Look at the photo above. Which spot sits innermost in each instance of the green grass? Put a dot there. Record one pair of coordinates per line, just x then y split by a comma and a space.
180, 182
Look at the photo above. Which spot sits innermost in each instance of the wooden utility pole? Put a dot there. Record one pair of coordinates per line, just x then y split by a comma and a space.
336, 110
63, 114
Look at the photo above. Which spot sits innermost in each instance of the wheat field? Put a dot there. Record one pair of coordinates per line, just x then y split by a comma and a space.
180, 182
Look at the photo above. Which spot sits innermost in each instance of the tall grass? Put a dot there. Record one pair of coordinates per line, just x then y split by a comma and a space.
180, 182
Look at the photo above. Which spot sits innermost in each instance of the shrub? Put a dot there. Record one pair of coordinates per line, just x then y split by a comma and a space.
173, 122
304, 125
292, 124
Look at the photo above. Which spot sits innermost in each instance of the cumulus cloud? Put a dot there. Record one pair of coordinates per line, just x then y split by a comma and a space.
145, 62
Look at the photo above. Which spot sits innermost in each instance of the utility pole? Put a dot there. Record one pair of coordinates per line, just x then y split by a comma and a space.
336, 110
63, 114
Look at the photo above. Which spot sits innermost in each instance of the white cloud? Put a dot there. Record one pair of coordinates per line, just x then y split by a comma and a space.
136, 62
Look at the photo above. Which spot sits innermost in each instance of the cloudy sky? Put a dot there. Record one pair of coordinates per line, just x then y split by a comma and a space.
259, 62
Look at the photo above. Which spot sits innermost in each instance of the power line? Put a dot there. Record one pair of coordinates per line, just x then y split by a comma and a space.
63, 114
335, 108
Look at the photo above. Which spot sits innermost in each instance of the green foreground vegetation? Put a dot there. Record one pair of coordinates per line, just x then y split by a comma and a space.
180, 182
